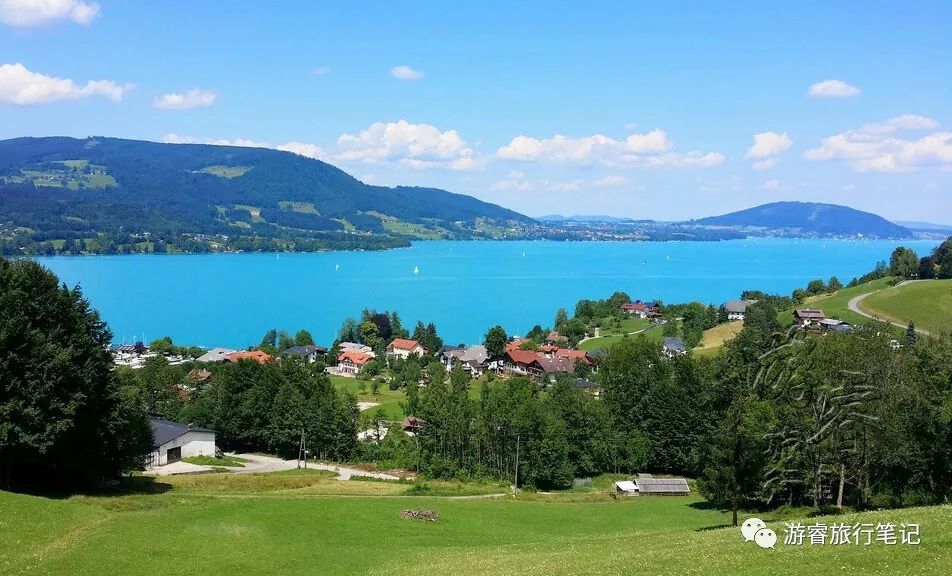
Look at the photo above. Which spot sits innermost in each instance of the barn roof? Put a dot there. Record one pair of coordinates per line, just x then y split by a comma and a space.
662, 486
164, 431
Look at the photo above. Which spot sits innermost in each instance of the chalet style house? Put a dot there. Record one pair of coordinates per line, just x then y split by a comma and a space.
808, 317
403, 348
642, 309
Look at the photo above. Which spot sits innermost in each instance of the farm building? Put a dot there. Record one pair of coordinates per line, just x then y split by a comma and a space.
626, 487
662, 486
174, 441
647, 485
808, 317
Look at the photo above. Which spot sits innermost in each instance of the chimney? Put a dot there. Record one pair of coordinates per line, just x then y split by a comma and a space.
189, 425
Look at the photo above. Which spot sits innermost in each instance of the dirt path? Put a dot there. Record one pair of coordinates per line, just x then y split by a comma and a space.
854, 306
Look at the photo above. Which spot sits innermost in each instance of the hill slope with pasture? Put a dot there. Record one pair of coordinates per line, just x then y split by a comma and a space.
71, 188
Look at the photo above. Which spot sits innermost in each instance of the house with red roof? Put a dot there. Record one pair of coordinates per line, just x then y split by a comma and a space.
642, 309
256, 355
404, 348
350, 362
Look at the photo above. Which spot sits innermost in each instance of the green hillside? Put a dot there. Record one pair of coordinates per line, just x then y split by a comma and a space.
927, 303
836, 305
80, 189
307, 522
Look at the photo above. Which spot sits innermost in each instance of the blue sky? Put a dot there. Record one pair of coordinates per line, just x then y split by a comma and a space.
660, 110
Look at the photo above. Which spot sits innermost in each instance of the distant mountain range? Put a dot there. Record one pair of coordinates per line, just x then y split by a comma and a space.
104, 195
925, 226
77, 188
809, 219
555, 218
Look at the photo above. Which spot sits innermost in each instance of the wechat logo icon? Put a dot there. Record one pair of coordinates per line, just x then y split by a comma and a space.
755, 529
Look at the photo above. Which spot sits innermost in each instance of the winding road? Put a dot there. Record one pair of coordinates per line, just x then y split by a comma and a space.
854, 306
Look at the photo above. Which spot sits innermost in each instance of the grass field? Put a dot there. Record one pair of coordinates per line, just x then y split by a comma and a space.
927, 303
308, 523
836, 305
714, 338
653, 333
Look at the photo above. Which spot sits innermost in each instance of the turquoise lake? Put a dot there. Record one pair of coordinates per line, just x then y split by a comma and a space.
464, 287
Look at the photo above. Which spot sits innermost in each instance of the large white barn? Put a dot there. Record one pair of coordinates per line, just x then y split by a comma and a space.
174, 441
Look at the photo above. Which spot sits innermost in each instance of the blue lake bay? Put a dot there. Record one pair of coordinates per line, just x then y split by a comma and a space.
463, 287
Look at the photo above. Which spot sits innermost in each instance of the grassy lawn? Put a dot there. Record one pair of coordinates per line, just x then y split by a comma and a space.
654, 333
388, 400
927, 303
226, 460
290, 523
836, 305
714, 338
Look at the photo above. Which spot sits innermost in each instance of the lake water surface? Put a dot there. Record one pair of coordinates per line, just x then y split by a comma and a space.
464, 287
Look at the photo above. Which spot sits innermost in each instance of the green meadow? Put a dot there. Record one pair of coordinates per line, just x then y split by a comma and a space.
927, 303
304, 523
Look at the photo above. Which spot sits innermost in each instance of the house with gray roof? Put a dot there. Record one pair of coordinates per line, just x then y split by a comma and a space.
215, 355
737, 308
673, 347
173, 441
309, 352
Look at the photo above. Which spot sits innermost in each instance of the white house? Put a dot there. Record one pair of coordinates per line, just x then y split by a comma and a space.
737, 308
403, 348
174, 441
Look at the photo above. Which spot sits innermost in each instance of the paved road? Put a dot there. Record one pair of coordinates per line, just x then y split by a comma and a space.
854, 306
258, 463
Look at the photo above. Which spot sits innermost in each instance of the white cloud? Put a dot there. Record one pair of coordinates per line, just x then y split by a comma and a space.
771, 185
609, 181
405, 72
879, 147
832, 89
321, 70
413, 145
417, 146
303, 149
173, 138
194, 98
20, 86
766, 149
24, 13
244, 142
515, 181
649, 149
767, 144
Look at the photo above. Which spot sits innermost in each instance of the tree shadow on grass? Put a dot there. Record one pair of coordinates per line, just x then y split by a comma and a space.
705, 505
126, 486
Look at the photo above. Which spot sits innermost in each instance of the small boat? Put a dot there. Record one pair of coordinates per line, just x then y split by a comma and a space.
336, 267
416, 269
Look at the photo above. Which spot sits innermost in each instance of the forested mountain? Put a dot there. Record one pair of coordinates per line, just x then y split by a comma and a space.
810, 219
61, 188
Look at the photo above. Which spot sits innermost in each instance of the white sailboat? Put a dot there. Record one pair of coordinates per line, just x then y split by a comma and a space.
416, 269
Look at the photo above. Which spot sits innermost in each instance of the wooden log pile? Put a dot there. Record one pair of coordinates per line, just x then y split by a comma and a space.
427, 515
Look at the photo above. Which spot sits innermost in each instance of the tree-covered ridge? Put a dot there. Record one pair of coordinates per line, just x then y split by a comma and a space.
809, 218
135, 192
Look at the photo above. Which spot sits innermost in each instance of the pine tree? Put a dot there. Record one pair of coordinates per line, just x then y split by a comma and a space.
911, 336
